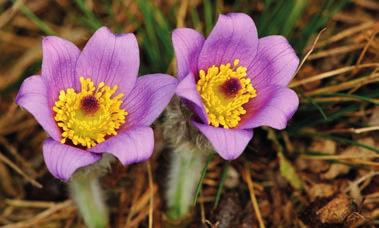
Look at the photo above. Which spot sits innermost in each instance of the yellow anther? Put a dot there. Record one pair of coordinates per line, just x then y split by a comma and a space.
236, 62
224, 90
87, 117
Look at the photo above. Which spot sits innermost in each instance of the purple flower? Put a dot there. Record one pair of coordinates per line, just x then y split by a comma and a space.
234, 82
91, 101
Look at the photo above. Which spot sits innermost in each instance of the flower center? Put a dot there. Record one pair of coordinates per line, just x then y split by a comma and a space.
89, 104
231, 87
89, 116
224, 90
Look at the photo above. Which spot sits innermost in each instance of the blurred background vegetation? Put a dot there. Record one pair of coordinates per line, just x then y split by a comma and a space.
327, 156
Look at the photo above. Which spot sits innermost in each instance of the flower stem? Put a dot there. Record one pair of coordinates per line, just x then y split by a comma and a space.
184, 175
87, 194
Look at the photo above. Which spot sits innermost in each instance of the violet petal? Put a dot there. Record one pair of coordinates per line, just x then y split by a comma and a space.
58, 66
112, 59
131, 146
228, 143
148, 99
187, 90
273, 106
233, 37
275, 63
33, 97
187, 45
63, 160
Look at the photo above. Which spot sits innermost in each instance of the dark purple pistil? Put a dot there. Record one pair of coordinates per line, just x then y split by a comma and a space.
89, 104
231, 87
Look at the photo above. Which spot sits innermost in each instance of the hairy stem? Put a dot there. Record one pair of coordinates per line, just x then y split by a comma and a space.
184, 175
87, 194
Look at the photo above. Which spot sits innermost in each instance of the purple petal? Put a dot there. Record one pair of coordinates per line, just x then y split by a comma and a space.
63, 160
274, 64
33, 97
228, 143
58, 65
273, 106
148, 99
233, 37
109, 58
130, 146
187, 90
187, 45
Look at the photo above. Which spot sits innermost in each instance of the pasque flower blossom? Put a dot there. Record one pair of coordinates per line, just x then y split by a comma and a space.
234, 82
91, 102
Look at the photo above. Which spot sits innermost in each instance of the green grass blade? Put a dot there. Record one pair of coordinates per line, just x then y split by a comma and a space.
36, 20
89, 17
319, 108
208, 16
203, 172
221, 185
156, 35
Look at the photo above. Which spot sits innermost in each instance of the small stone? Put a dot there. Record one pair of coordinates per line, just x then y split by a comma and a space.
232, 178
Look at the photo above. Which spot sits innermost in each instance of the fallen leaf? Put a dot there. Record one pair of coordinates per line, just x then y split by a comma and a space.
337, 210
322, 190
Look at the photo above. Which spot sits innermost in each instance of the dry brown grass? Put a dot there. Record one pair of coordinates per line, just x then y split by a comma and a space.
345, 58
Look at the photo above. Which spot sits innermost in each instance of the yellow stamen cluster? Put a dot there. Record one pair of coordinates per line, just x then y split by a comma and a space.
225, 108
88, 124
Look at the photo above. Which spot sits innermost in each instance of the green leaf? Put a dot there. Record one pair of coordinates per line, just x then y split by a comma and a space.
286, 168
289, 172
